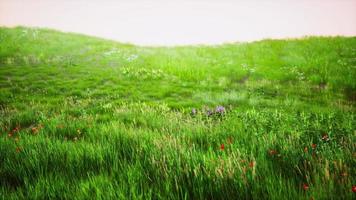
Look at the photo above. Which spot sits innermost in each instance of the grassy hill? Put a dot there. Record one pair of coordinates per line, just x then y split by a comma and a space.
82, 117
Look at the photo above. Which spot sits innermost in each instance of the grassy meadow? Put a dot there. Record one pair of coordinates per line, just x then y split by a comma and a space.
87, 118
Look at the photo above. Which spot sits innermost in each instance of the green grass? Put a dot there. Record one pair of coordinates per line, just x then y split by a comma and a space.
83, 117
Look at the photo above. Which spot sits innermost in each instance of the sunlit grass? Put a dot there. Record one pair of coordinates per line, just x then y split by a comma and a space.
82, 117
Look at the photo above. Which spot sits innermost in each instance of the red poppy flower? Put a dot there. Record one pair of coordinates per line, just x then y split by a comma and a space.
354, 188
272, 152
305, 186
313, 146
17, 128
251, 164
222, 147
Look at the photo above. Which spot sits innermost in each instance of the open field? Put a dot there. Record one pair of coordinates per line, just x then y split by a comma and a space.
83, 117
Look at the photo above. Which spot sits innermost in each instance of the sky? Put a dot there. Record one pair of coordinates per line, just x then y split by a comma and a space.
182, 22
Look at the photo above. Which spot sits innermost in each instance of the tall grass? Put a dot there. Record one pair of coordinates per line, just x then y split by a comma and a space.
84, 118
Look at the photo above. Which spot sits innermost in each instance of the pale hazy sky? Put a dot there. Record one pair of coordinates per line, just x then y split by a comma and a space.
171, 22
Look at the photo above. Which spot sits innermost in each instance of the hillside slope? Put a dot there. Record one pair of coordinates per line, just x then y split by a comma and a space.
86, 117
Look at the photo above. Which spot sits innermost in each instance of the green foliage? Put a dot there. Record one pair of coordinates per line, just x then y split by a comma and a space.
83, 118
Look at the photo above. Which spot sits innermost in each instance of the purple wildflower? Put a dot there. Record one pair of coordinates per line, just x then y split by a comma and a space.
220, 110
194, 111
